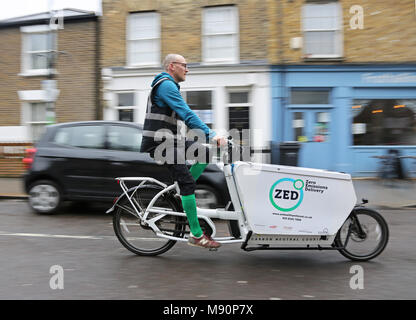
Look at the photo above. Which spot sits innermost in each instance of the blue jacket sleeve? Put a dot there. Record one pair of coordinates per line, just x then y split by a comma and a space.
169, 94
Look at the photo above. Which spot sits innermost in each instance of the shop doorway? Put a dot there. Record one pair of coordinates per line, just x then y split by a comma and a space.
312, 128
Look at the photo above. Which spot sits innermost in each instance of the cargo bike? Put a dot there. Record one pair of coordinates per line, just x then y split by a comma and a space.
272, 207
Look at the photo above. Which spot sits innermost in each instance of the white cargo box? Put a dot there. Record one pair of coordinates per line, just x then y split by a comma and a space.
291, 200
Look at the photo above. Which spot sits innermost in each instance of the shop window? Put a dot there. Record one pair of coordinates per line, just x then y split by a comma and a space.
309, 96
298, 125
384, 122
201, 103
126, 106
238, 97
239, 110
126, 99
239, 118
126, 115
322, 120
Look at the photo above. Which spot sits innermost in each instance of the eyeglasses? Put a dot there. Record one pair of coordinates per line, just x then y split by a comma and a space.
182, 64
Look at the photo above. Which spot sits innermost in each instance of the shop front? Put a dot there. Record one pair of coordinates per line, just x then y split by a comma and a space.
224, 97
347, 118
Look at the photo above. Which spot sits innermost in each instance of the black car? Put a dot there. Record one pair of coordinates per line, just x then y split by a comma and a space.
79, 161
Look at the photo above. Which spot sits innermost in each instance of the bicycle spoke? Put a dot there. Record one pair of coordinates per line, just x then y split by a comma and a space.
140, 236
366, 236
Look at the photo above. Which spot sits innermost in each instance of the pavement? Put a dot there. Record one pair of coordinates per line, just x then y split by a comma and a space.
395, 194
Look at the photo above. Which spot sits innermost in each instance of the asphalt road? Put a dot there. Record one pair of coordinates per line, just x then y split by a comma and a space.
75, 255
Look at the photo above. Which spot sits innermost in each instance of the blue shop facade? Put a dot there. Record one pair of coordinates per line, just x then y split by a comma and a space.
346, 116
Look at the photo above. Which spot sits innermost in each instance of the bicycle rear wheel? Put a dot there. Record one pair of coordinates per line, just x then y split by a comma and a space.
135, 235
363, 236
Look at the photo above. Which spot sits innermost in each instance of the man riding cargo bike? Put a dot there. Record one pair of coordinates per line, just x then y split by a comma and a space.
274, 207
167, 110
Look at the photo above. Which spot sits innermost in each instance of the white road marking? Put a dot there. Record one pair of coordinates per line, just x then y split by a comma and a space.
64, 236
42, 235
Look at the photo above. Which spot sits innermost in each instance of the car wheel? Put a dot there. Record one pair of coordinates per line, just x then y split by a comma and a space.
206, 197
45, 197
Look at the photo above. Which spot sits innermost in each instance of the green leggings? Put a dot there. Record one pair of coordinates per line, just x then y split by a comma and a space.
189, 203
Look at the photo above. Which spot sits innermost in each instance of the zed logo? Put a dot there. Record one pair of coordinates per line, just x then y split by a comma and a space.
286, 194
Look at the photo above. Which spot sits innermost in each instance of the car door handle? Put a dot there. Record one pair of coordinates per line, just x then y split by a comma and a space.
117, 163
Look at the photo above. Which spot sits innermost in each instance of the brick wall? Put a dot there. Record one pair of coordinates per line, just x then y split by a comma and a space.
11, 156
388, 34
76, 78
77, 72
181, 27
266, 28
10, 106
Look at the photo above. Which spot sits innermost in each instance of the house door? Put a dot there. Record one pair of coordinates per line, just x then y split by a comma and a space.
312, 128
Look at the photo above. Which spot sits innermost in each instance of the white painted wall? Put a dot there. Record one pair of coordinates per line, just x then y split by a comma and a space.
14, 134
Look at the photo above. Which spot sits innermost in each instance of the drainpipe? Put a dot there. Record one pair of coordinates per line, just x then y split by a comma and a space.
98, 91
50, 83
283, 69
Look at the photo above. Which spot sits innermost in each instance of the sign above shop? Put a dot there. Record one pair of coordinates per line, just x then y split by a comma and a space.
408, 77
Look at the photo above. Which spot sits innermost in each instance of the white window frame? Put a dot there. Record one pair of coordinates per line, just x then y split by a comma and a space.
27, 97
248, 104
185, 97
130, 37
337, 29
27, 118
235, 58
26, 32
133, 107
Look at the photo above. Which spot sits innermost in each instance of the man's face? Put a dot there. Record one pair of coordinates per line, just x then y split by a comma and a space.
179, 69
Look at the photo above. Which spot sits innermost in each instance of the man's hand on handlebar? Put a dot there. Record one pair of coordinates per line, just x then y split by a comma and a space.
220, 140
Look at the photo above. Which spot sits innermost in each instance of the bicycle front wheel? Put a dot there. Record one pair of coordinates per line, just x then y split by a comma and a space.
363, 236
140, 239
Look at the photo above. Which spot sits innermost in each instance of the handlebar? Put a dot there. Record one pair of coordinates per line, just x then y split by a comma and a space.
232, 153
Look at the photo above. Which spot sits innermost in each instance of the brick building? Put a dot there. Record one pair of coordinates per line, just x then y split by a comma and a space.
343, 78
339, 77
224, 42
35, 92
366, 31
27, 101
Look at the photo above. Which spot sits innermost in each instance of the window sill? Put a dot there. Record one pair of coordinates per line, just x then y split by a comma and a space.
323, 58
143, 66
38, 73
219, 62
37, 123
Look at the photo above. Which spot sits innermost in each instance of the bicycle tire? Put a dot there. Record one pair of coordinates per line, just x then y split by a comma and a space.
383, 231
123, 211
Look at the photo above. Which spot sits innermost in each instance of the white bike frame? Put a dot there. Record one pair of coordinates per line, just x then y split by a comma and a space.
206, 214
